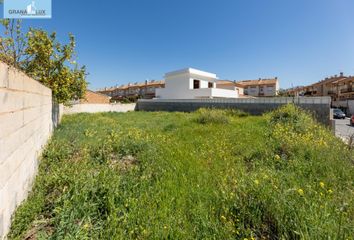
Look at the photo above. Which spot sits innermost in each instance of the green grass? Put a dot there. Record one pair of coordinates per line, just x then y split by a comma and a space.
159, 175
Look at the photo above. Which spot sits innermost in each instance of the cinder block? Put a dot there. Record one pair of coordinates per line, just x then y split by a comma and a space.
10, 165
2, 155
31, 100
10, 122
10, 101
34, 86
31, 114
16, 139
15, 80
4, 76
1, 223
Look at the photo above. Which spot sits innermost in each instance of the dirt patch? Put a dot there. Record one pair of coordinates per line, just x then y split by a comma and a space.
124, 163
38, 227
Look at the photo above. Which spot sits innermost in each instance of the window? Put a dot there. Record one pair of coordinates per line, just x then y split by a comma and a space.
196, 84
210, 85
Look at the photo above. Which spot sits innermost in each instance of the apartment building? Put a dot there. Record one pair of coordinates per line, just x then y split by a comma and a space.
254, 88
145, 90
338, 87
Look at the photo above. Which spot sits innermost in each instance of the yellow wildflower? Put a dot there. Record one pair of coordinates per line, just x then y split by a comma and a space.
223, 218
277, 157
256, 182
300, 191
330, 191
322, 184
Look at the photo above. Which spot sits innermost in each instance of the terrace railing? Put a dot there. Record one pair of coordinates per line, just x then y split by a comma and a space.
347, 90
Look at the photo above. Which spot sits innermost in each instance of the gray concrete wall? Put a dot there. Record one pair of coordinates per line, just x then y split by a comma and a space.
95, 108
346, 105
351, 107
25, 126
318, 106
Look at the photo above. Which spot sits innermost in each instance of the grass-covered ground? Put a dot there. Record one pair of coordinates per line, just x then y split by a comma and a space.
206, 175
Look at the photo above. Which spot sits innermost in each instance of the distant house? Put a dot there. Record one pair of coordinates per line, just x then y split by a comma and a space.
254, 88
133, 90
261, 87
338, 87
191, 83
231, 85
95, 98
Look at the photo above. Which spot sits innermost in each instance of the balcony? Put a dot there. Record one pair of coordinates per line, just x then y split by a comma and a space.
347, 90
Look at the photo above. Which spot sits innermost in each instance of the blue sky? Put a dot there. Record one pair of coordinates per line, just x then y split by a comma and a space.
121, 41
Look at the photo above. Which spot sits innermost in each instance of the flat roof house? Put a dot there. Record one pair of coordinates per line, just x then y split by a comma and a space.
191, 83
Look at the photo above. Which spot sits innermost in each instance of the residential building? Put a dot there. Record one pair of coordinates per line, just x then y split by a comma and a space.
294, 91
261, 87
191, 83
338, 87
232, 85
137, 90
254, 88
94, 97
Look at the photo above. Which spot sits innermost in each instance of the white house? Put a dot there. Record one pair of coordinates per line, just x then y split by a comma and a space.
191, 83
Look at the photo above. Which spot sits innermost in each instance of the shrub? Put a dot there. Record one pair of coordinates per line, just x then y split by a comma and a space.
205, 116
292, 116
236, 113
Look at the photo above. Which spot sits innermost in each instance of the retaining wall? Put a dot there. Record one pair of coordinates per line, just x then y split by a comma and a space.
25, 126
95, 108
319, 106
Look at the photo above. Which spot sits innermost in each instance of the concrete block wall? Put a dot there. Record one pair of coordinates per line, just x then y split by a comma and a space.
319, 106
96, 108
25, 126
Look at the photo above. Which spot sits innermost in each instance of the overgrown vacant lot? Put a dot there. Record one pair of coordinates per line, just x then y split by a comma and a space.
207, 175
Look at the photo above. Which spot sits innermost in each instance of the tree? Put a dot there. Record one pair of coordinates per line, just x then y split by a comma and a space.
283, 93
13, 44
43, 58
